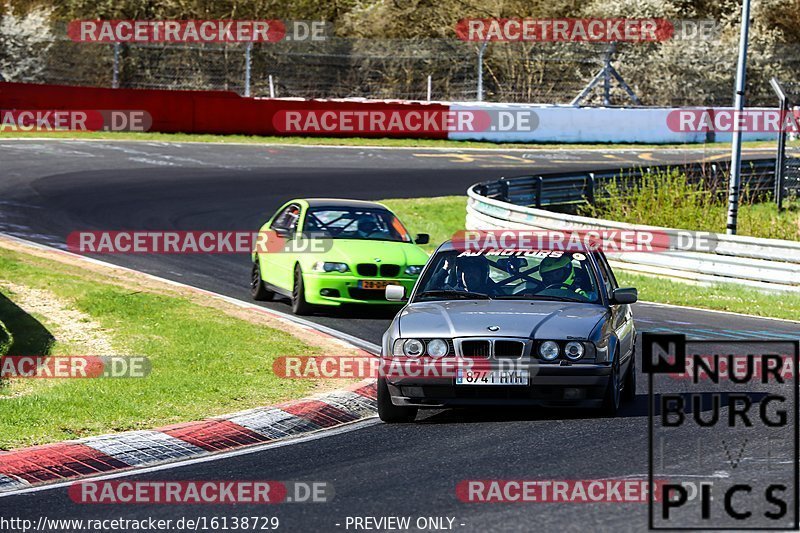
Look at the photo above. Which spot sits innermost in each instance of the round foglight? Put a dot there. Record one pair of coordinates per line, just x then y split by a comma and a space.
413, 348
574, 350
548, 350
437, 348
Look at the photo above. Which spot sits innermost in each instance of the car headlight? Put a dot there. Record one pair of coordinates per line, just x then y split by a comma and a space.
413, 347
437, 348
326, 266
549, 350
413, 270
574, 350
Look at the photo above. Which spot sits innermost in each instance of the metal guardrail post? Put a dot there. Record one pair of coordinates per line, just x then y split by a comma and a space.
715, 178
590, 185
607, 76
481, 50
780, 158
504, 189
539, 183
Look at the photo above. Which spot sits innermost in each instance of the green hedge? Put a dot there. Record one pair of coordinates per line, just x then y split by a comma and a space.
5, 340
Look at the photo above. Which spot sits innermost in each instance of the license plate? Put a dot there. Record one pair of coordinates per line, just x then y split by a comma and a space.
492, 377
370, 284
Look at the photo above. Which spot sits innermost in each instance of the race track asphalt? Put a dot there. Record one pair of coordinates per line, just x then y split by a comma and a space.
50, 188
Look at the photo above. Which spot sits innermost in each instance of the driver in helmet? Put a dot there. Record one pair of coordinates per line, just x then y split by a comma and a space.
470, 274
366, 226
558, 275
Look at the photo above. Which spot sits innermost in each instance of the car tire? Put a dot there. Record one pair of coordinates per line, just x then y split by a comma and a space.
613, 396
390, 413
299, 304
258, 291
629, 387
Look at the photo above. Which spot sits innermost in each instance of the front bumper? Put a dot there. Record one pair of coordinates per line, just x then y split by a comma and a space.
550, 385
335, 289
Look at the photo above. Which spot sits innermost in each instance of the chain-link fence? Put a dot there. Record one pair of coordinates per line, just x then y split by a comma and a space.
666, 74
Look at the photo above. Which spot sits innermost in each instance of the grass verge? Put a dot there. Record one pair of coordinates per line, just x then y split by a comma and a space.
720, 297
666, 199
362, 141
204, 362
443, 216
440, 217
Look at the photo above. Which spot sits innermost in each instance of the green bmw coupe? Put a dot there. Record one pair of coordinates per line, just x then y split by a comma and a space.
332, 252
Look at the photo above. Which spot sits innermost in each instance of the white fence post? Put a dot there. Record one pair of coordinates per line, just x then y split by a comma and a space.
247, 51
429, 87
115, 73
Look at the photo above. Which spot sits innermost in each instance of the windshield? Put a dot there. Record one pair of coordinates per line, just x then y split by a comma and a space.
526, 275
355, 223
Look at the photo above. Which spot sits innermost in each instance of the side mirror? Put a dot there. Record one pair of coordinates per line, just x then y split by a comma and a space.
395, 293
625, 296
422, 238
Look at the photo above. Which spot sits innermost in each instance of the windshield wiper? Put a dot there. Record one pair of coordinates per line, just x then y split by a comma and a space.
540, 297
461, 294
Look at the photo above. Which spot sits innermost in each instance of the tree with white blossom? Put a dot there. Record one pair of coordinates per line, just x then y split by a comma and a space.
25, 40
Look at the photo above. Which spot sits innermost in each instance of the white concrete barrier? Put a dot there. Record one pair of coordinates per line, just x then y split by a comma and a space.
563, 123
769, 264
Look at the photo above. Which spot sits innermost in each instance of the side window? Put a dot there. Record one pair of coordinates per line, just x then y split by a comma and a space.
280, 219
287, 219
605, 271
292, 217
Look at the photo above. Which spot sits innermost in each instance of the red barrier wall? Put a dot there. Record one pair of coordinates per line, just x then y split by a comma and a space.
194, 111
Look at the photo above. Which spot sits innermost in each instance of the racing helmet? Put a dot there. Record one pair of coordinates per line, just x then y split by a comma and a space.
476, 262
366, 225
557, 270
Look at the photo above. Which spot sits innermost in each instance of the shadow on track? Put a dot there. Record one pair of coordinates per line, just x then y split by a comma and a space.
635, 409
346, 311
638, 408
28, 335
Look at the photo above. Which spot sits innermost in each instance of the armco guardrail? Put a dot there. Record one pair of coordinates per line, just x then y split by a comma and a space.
559, 189
769, 264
